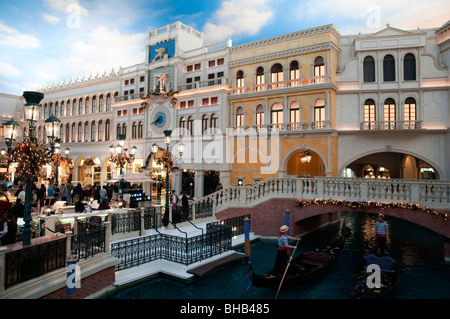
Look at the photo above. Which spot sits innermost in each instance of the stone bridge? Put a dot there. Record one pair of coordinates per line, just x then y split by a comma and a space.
315, 201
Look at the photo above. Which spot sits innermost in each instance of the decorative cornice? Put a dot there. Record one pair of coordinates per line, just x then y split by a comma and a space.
282, 54
287, 37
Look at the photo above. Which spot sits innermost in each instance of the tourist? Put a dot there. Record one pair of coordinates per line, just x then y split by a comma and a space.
121, 202
103, 193
18, 209
104, 204
9, 231
64, 192
184, 205
69, 191
79, 206
77, 192
50, 192
381, 231
283, 252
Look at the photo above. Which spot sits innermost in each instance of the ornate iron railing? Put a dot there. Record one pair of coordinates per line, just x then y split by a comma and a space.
34, 261
89, 241
236, 224
183, 250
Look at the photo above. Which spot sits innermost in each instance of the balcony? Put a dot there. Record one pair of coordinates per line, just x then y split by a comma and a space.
390, 125
130, 97
203, 84
301, 127
282, 85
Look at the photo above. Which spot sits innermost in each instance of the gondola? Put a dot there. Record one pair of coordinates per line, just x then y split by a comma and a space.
305, 266
389, 276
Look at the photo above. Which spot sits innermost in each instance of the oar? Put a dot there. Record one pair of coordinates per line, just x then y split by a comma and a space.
285, 271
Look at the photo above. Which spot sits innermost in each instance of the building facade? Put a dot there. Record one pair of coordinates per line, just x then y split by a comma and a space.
308, 103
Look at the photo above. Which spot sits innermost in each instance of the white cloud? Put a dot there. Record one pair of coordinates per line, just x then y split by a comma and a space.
371, 16
9, 70
237, 17
103, 50
66, 6
10, 37
51, 18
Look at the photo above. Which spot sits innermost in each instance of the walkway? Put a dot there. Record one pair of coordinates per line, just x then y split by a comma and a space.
127, 276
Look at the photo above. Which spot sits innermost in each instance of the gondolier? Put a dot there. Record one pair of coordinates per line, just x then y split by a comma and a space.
381, 237
283, 252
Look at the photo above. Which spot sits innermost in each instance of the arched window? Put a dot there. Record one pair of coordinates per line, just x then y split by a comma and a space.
61, 132
67, 133
107, 130
259, 79
100, 130
294, 116
68, 108
45, 111
205, 121
108, 102
86, 131
39, 133
410, 112
182, 125
94, 104
93, 131
140, 130
240, 117
62, 109
214, 123
388, 68
319, 114
56, 109
369, 114
409, 67
80, 132
50, 109
294, 73
369, 69
319, 70
74, 107
118, 130
240, 82
87, 106
134, 130
389, 114
101, 100
80, 106
276, 116
124, 130
276, 74
190, 125
259, 117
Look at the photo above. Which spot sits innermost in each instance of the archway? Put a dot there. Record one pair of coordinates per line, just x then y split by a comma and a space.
390, 165
314, 166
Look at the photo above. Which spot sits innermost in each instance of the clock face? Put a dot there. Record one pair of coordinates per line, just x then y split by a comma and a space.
160, 119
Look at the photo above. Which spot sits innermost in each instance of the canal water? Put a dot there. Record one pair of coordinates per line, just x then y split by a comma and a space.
418, 251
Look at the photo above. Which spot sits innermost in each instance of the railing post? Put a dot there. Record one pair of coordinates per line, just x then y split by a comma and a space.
364, 195
2, 268
142, 220
108, 237
320, 188
69, 235
415, 192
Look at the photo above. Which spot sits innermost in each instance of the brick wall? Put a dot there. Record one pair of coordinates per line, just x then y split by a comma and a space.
267, 217
88, 285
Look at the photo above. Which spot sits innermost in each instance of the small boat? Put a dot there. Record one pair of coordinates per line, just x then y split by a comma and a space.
307, 265
365, 283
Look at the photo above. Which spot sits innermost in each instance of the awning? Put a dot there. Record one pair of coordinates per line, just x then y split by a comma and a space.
133, 178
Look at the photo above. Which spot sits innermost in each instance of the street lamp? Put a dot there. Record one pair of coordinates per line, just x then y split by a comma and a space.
167, 161
31, 108
121, 157
10, 129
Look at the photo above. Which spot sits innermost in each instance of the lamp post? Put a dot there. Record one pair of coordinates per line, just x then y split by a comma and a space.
10, 129
121, 157
167, 161
31, 108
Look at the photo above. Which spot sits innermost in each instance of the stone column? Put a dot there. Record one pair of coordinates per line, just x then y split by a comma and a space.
199, 184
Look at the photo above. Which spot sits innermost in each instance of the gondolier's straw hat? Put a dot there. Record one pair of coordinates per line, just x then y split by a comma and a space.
284, 228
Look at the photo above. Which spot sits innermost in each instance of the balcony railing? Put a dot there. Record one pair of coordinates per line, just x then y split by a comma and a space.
284, 127
281, 85
202, 84
129, 97
390, 125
